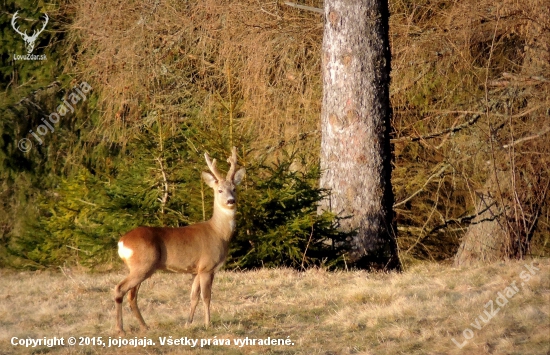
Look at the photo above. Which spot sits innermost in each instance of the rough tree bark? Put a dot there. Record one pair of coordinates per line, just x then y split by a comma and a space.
355, 147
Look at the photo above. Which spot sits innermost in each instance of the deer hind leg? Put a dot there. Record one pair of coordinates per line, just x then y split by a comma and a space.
195, 292
130, 282
206, 291
132, 300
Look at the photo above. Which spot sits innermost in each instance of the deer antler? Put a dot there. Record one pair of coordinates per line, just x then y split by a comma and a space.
233, 161
212, 166
36, 33
13, 24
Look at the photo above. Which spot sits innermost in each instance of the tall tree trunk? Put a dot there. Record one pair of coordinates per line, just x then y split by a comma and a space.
355, 147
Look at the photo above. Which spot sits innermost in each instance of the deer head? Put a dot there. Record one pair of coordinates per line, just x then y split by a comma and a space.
29, 40
224, 189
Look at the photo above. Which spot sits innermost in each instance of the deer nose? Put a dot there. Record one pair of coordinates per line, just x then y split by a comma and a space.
231, 201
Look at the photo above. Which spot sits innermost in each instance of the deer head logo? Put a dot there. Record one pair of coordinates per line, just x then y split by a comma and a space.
29, 40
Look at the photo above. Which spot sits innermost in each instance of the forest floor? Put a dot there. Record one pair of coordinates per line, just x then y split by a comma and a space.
502, 308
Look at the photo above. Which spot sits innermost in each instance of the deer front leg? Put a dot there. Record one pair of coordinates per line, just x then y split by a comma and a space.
195, 292
206, 291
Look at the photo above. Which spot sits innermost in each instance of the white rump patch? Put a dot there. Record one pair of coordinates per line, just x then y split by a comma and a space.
124, 252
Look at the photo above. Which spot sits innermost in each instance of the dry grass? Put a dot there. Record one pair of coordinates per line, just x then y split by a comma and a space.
417, 312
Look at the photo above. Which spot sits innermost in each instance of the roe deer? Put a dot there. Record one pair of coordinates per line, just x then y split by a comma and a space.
199, 249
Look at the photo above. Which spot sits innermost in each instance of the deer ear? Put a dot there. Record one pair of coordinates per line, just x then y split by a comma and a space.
239, 176
209, 179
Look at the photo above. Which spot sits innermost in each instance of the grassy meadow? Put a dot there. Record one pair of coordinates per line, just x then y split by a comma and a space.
419, 311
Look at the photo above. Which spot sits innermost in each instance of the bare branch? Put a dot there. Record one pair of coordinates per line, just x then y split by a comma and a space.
303, 7
434, 175
524, 139
164, 197
460, 220
453, 129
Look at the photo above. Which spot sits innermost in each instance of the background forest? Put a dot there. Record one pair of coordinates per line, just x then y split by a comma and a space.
172, 79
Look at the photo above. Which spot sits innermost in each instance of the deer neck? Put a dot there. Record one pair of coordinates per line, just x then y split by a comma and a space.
223, 221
